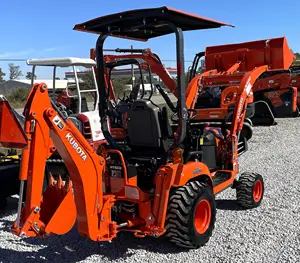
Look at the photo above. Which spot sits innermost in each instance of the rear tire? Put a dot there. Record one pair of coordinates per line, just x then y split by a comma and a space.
295, 114
191, 215
3, 202
249, 190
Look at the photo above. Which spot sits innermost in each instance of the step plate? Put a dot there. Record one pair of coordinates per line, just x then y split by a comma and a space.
220, 177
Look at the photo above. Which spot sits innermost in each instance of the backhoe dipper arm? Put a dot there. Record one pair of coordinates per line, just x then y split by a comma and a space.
54, 211
152, 59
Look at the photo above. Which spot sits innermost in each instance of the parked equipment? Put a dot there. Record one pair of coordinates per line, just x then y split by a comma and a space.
226, 65
148, 63
72, 101
161, 180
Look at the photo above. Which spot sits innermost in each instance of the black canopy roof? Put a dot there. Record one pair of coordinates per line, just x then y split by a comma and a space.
143, 24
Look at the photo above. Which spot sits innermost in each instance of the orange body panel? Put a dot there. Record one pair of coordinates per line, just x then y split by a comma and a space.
280, 81
295, 82
11, 132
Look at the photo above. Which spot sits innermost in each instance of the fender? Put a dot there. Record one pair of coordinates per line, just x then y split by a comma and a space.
174, 175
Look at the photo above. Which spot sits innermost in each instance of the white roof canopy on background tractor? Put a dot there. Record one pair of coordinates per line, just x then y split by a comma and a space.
63, 62
67, 62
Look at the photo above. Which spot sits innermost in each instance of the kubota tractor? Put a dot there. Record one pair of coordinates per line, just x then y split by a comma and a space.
160, 180
273, 96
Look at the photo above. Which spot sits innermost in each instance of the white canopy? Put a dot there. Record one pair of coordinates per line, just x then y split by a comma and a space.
62, 62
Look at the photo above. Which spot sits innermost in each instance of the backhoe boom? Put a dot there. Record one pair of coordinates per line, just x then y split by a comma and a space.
84, 165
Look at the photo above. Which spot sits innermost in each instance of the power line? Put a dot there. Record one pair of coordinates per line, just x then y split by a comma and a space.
21, 59
173, 60
13, 59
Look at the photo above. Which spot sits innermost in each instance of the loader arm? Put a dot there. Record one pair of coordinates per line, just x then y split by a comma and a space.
39, 215
244, 92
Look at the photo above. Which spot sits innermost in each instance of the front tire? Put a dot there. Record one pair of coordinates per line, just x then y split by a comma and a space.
249, 121
249, 190
191, 215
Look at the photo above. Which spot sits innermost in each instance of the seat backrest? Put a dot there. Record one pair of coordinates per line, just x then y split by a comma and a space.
144, 125
75, 105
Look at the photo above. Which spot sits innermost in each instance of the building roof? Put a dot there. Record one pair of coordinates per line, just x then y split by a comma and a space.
62, 62
59, 84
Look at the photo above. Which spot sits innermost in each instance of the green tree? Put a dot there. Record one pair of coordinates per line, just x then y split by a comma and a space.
2, 74
18, 97
297, 55
14, 71
29, 75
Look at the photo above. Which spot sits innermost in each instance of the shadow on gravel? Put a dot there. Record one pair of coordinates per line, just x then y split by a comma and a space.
73, 248
10, 208
223, 204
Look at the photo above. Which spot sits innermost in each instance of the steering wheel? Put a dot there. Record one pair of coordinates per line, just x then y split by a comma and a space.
190, 116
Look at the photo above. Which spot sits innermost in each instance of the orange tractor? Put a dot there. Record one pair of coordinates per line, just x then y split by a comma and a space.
159, 180
273, 96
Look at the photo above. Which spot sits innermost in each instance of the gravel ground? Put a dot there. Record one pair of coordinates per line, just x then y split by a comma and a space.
270, 233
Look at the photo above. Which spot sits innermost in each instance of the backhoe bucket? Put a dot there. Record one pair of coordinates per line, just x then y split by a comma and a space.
263, 114
11, 133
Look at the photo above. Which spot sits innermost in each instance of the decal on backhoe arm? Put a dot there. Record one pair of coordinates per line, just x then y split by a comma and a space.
57, 121
75, 145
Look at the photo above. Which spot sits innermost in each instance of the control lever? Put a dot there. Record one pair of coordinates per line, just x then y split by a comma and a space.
166, 98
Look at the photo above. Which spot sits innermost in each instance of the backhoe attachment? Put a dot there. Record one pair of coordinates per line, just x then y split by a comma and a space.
55, 210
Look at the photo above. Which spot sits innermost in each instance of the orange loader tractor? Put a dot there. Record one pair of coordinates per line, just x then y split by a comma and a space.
160, 180
273, 95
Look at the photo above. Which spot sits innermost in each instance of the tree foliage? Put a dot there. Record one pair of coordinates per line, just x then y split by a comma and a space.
88, 80
14, 71
29, 75
118, 83
2, 74
18, 96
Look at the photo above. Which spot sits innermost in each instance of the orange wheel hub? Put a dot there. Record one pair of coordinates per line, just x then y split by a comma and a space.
202, 216
257, 190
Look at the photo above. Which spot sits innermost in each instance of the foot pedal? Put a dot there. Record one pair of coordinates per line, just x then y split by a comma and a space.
220, 177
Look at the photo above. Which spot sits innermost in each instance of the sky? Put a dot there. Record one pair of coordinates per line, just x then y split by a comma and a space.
44, 29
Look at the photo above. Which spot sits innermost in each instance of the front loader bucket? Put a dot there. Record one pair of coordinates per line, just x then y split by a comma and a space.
11, 133
263, 115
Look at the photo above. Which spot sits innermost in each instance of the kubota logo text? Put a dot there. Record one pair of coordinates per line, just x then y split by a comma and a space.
75, 145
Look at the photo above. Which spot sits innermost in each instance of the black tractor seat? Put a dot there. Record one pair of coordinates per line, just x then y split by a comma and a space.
148, 128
